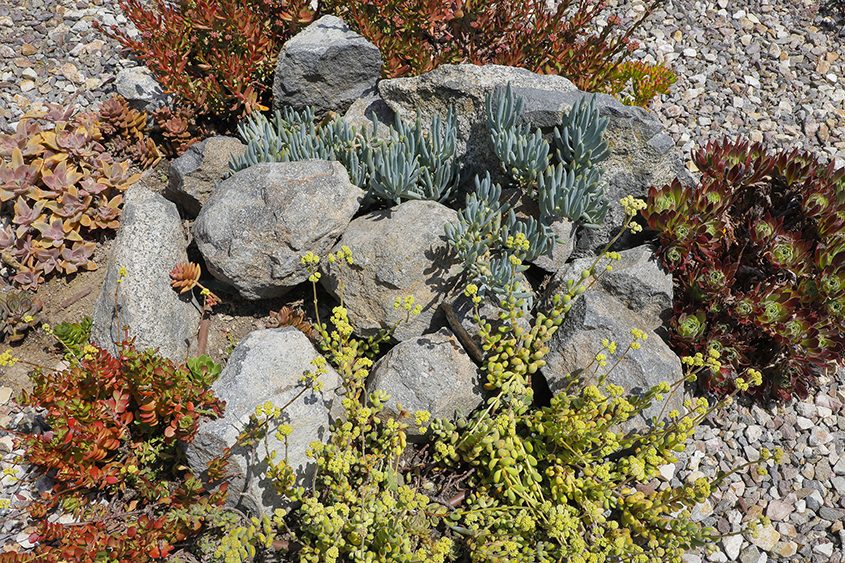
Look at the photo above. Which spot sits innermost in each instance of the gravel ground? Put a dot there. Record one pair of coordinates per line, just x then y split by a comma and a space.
49, 51
804, 496
763, 69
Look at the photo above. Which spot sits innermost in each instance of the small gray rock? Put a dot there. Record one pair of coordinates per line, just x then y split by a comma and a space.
266, 366
565, 232
194, 175
636, 279
326, 66
259, 222
140, 88
595, 316
149, 243
398, 252
431, 373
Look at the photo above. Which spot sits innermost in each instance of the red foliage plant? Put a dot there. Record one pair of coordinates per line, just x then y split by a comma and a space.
416, 36
216, 57
757, 252
113, 451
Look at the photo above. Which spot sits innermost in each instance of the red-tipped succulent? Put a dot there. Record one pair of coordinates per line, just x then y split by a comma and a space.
757, 252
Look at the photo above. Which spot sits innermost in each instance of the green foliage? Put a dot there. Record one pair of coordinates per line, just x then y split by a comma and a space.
565, 482
215, 57
577, 39
73, 336
494, 245
488, 238
756, 251
407, 164
20, 312
116, 429
568, 481
565, 179
61, 188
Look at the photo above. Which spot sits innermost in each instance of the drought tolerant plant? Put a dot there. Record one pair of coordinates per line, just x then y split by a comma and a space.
756, 249
561, 482
125, 132
566, 482
20, 311
564, 38
359, 507
560, 173
60, 188
215, 57
116, 426
407, 163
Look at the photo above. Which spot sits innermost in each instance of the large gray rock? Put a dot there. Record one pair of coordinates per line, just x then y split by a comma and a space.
326, 66
140, 88
637, 280
398, 252
642, 154
595, 316
430, 373
149, 243
465, 87
194, 175
266, 366
261, 220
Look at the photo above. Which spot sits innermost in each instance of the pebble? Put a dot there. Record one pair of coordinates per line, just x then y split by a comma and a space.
49, 51
770, 54
766, 538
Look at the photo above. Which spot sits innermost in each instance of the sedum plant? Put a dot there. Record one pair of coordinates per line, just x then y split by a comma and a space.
560, 173
214, 57
61, 189
406, 164
20, 312
115, 429
565, 482
360, 506
125, 132
561, 482
755, 250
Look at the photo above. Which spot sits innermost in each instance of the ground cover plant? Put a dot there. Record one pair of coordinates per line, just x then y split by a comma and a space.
215, 57
542, 483
756, 250
416, 36
111, 449
61, 188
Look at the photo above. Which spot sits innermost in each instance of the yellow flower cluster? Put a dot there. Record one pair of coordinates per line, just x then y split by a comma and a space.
8, 359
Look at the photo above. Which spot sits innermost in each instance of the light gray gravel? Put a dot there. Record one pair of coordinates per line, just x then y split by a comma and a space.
50, 52
757, 68
804, 496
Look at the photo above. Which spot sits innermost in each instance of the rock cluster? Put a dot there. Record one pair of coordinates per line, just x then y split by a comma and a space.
252, 227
